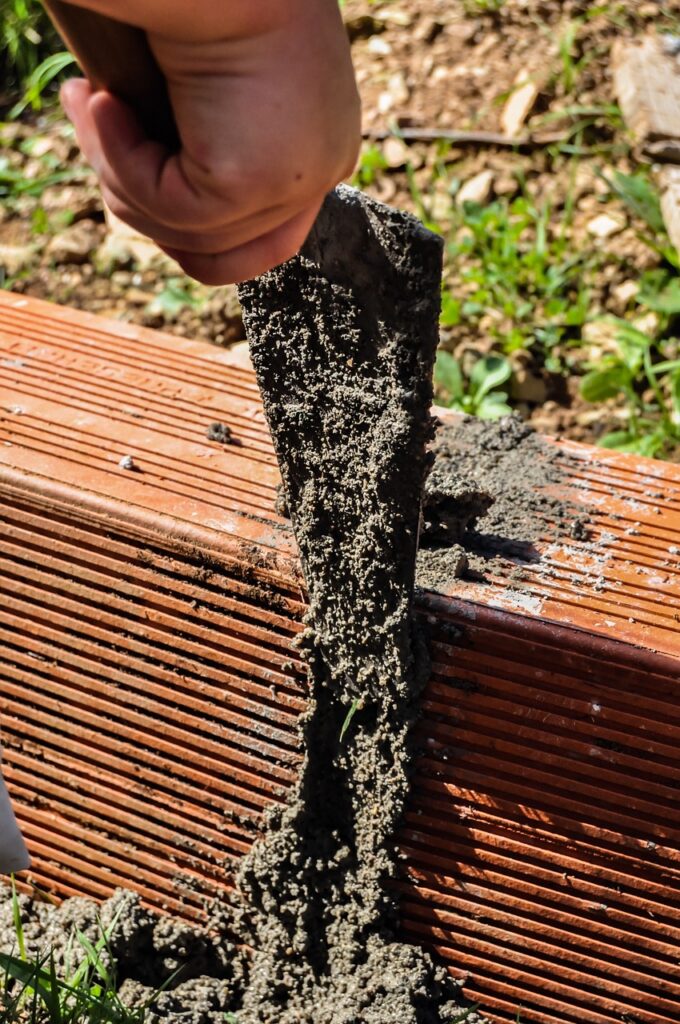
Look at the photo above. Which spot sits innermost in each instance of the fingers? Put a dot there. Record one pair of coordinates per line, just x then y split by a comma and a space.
213, 240
252, 258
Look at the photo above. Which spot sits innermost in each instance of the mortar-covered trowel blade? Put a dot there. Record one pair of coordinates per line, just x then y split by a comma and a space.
343, 339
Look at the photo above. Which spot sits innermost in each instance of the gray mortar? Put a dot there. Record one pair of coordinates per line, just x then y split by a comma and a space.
343, 341
146, 951
493, 492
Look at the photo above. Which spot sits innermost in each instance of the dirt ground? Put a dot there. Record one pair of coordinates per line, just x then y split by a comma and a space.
423, 66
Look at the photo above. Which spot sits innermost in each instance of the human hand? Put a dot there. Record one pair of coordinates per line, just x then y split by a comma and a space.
268, 115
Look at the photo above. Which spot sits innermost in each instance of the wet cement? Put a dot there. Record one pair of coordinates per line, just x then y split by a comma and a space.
205, 972
496, 488
343, 341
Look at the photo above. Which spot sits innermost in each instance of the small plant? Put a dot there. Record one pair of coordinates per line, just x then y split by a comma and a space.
477, 395
514, 262
371, 163
571, 66
178, 294
32, 991
651, 390
354, 707
464, 1014
26, 38
37, 82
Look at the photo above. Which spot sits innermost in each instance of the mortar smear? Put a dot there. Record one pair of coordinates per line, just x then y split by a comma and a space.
343, 341
496, 488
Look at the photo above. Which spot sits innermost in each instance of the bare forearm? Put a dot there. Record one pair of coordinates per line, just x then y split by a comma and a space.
204, 20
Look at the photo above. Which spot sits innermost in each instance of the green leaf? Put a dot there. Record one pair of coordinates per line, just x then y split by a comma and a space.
493, 406
598, 385
448, 375
29, 974
648, 445
674, 383
38, 81
17, 921
348, 717
175, 296
488, 374
618, 439
95, 959
665, 300
450, 314
640, 196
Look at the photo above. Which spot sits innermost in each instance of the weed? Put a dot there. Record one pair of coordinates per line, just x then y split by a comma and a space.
477, 394
13, 183
571, 65
26, 38
513, 262
37, 82
354, 707
33, 992
177, 294
371, 163
464, 1014
651, 389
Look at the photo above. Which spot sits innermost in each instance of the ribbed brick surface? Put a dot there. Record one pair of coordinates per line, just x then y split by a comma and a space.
149, 688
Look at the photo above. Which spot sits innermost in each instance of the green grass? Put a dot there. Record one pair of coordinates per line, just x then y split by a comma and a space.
26, 38
511, 258
32, 55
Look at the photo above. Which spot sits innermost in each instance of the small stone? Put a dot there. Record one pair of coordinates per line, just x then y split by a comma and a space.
137, 297
378, 46
605, 225
506, 185
73, 245
395, 152
395, 15
398, 87
219, 432
625, 292
519, 105
670, 44
14, 258
476, 189
428, 30
127, 462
